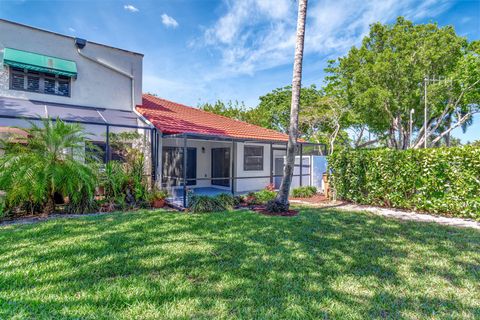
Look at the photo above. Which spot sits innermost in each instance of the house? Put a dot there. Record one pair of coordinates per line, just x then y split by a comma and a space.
46, 74
222, 154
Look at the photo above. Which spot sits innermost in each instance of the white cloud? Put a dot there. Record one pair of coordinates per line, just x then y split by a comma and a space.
255, 35
169, 21
130, 7
72, 30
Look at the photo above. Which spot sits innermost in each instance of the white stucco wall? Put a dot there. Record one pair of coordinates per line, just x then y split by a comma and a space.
95, 86
252, 184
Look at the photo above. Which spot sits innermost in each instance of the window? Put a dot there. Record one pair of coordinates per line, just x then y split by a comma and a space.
253, 158
64, 86
33, 83
21, 79
17, 81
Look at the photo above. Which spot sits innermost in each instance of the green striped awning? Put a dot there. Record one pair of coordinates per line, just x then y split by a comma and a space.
39, 62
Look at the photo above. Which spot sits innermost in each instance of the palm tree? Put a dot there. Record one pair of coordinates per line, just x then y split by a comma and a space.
281, 200
49, 161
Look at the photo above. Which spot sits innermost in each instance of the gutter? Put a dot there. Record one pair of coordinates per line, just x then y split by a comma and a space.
123, 73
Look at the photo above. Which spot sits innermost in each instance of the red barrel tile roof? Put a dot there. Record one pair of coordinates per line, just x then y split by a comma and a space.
173, 118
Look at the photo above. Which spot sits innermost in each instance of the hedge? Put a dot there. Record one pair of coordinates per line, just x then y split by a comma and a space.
440, 180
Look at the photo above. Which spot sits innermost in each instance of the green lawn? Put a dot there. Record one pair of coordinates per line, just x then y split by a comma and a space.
163, 265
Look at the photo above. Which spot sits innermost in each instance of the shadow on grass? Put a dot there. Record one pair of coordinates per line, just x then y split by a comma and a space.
320, 264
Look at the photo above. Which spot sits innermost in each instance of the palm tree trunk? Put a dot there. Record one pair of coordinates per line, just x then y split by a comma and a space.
282, 197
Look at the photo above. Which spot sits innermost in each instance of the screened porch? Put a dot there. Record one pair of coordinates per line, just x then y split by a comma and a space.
215, 165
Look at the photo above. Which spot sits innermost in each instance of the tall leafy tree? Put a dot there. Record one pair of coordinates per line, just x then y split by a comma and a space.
273, 111
383, 80
235, 110
281, 200
323, 116
49, 161
325, 121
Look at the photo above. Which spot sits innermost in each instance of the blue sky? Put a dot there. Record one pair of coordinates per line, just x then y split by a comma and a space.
200, 51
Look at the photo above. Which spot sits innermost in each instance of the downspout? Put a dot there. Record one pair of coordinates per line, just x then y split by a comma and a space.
123, 73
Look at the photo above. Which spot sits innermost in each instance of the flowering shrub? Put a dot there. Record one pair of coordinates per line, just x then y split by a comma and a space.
441, 180
270, 187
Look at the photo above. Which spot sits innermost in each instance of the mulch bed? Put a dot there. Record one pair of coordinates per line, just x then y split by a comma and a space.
263, 210
318, 198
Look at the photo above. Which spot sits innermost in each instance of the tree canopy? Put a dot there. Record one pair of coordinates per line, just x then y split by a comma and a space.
383, 80
374, 87
234, 110
323, 114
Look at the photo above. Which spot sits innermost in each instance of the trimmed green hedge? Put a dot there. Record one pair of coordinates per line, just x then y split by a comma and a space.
440, 180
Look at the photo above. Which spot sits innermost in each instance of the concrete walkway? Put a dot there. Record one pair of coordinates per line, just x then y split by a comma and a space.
397, 214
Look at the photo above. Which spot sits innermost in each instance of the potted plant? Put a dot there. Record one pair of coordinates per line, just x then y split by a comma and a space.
157, 198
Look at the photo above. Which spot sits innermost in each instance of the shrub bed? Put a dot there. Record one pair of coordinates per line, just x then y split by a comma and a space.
304, 192
443, 180
57, 169
260, 197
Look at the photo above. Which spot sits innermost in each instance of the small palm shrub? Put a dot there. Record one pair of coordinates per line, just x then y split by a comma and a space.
201, 203
221, 202
304, 192
227, 200
32, 173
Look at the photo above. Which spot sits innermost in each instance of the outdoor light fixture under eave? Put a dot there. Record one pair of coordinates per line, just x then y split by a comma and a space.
80, 43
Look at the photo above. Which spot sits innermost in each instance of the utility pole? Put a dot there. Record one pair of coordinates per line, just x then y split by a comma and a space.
425, 82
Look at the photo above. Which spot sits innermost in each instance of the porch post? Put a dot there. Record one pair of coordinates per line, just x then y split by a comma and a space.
271, 163
184, 170
233, 161
107, 145
301, 164
310, 172
153, 151
158, 154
